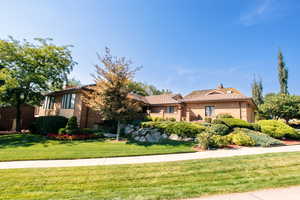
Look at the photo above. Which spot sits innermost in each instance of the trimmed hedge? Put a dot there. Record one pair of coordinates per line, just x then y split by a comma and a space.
277, 129
238, 123
48, 124
182, 129
219, 129
224, 115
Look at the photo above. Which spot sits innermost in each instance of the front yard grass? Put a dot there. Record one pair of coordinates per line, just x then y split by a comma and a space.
170, 180
36, 147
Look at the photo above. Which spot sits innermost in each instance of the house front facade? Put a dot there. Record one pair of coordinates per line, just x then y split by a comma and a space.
196, 106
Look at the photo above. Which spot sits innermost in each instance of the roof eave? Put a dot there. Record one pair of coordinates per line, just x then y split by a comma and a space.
216, 100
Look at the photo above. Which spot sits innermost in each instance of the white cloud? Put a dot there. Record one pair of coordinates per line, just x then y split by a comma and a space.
263, 9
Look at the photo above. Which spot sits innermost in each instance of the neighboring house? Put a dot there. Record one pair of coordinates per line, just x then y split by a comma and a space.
197, 105
8, 117
68, 103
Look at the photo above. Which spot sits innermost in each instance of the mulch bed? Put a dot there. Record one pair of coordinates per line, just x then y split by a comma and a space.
290, 142
71, 137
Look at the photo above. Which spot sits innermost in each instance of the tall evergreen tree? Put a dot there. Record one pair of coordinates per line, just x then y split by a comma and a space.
257, 90
282, 74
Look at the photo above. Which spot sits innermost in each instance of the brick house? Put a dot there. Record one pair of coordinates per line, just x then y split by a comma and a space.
197, 105
8, 117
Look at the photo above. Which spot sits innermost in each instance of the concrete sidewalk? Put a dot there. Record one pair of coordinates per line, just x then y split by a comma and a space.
147, 159
291, 193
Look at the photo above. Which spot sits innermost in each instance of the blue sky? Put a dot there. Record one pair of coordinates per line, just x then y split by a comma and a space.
182, 45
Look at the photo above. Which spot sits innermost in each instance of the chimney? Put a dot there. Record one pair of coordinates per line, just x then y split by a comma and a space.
220, 86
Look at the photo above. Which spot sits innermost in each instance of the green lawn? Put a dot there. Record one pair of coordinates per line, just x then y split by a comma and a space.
35, 147
171, 180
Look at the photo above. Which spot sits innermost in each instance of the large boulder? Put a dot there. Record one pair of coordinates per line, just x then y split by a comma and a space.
129, 129
150, 135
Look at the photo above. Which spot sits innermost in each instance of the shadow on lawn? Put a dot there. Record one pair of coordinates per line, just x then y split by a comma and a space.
21, 140
26, 140
164, 142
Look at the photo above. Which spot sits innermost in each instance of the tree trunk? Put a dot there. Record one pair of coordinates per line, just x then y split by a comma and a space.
18, 117
118, 130
287, 121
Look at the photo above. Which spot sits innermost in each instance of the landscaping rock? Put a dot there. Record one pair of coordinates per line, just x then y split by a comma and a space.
109, 135
148, 135
129, 129
174, 137
177, 138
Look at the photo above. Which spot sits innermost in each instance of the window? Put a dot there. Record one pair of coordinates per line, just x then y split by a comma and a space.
209, 111
170, 109
68, 101
49, 102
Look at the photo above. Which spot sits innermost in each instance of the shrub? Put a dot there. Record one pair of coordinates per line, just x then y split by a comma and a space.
295, 135
276, 128
157, 119
204, 140
208, 120
219, 129
48, 124
256, 127
88, 131
224, 115
241, 139
259, 138
237, 123
219, 141
182, 129
171, 119
208, 140
72, 123
62, 131
217, 121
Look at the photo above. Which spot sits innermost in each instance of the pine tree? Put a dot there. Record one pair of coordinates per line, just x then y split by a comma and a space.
109, 97
282, 74
257, 90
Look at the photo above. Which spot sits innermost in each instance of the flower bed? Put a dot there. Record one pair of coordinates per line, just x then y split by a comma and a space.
71, 137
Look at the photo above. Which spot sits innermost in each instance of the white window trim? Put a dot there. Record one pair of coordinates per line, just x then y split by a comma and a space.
68, 101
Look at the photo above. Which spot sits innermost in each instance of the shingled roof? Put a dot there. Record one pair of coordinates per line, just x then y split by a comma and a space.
163, 99
215, 95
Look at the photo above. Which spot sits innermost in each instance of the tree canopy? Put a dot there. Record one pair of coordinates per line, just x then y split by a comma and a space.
73, 82
280, 106
31, 69
109, 97
144, 89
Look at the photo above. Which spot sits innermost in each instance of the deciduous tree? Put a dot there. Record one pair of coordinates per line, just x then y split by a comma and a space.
281, 106
144, 89
110, 96
31, 69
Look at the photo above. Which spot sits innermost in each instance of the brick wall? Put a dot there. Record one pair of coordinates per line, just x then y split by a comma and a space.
240, 110
8, 115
